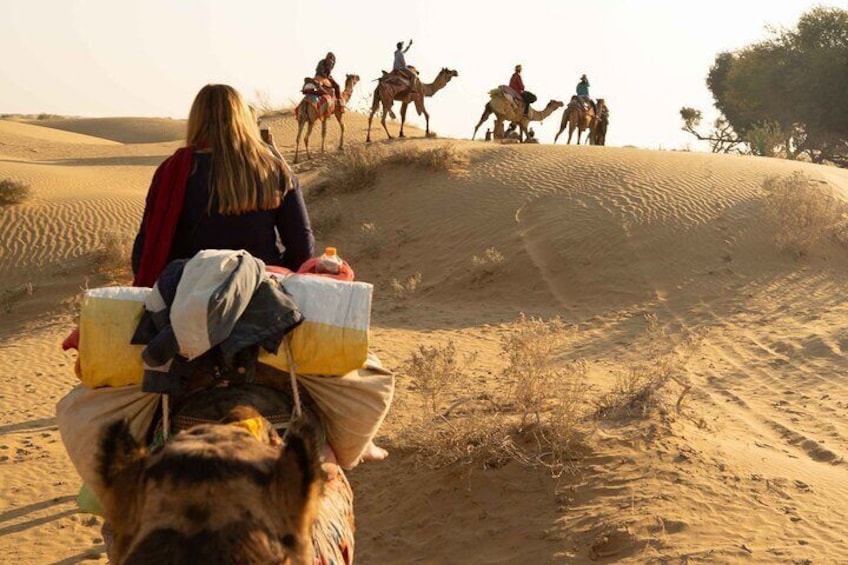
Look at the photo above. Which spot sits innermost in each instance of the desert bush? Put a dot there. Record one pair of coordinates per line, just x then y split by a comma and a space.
445, 157
435, 371
486, 264
803, 213
355, 169
10, 297
403, 290
530, 351
114, 252
640, 390
370, 239
13, 192
327, 217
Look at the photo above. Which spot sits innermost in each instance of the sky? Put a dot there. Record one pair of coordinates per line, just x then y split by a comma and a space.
647, 58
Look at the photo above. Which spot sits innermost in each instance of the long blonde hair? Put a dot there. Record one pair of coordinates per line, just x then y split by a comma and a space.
245, 174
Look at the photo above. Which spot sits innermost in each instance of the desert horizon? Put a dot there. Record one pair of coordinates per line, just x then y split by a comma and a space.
690, 405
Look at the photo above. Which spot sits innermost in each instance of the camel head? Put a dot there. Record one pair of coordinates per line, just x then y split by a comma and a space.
448, 74
554, 104
213, 494
350, 81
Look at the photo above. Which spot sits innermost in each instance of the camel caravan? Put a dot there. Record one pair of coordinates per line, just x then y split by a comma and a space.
323, 98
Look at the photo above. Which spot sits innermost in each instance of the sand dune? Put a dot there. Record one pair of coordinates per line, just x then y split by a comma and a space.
122, 130
642, 251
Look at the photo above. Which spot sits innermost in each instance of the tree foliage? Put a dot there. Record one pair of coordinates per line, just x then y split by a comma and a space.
786, 95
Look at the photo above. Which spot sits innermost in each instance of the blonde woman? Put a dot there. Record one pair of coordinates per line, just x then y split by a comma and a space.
226, 189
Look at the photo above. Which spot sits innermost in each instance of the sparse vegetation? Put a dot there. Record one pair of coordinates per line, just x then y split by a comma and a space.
13, 192
114, 252
486, 264
403, 290
371, 240
803, 213
357, 168
327, 217
490, 429
10, 297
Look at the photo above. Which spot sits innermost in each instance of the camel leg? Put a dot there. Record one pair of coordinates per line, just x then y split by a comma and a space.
570, 131
403, 106
323, 134
387, 108
579, 131
426, 123
306, 139
375, 104
562, 125
297, 143
487, 111
341, 130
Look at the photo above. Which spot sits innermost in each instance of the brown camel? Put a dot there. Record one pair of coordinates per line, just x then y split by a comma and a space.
506, 109
390, 91
309, 111
577, 117
218, 493
601, 124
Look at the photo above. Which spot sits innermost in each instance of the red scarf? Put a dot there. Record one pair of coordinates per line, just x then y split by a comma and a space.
161, 214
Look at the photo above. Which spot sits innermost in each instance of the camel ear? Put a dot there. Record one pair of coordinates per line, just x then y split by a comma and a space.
299, 480
118, 451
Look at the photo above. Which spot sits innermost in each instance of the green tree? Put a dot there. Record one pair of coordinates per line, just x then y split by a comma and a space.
786, 95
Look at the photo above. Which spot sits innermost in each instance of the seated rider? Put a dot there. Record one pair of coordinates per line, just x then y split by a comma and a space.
399, 65
583, 92
325, 70
517, 84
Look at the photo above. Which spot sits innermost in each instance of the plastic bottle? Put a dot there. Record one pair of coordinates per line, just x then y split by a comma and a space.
329, 262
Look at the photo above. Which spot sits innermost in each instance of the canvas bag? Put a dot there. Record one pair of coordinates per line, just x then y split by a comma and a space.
85, 413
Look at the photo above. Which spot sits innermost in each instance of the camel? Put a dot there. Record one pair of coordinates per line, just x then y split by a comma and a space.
309, 111
389, 91
601, 124
219, 493
505, 109
576, 117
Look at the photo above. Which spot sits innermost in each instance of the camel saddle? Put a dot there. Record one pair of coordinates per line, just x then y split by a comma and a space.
407, 78
318, 86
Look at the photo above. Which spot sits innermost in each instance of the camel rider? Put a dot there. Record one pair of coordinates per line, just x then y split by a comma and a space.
583, 91
325, 70
400, 60
517, 84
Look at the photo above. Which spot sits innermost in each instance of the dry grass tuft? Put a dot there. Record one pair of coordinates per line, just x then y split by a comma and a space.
485, 265
403, 290
13, 192
327, 217
358, 167
371, 240
485, 429
10, 297
803, 212
114, 252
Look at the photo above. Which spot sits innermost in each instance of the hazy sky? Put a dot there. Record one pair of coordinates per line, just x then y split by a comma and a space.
149, 57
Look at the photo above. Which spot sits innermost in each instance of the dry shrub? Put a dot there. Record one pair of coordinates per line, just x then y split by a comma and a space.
445, 157
370, 239
114, 252
491, 429
641, 390
13, 192
327, 217
435, 371
530, 351
803, 212
10, 297
486, 264
355, 169
403, 290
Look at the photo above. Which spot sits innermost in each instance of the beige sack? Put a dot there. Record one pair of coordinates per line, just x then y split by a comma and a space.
353, 406
83, 415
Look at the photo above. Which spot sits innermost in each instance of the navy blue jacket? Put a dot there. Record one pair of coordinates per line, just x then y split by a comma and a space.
256, 232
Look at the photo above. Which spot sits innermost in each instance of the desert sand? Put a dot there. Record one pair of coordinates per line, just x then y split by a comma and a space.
640, 252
